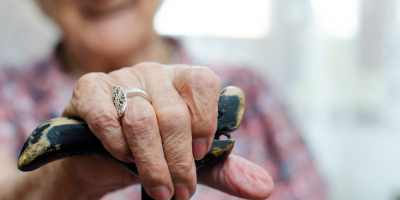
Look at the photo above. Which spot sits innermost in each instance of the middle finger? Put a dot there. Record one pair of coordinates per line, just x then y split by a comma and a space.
174, 122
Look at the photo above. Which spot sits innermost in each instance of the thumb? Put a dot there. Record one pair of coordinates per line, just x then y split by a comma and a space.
238, 177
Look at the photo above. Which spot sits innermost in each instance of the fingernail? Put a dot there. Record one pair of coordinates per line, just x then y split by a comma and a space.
182, 192
131, 159
199, 148
160, 193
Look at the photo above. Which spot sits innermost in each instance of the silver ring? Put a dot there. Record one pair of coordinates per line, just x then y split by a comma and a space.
119, 98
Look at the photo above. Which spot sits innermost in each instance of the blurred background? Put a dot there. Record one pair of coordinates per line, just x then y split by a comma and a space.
335, 62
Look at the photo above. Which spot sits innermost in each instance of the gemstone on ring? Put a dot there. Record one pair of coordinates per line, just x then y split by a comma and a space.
119, 98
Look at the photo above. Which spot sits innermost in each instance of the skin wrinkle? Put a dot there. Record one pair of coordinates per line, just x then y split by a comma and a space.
233, 182
101, 121
175, 144
151, 149
156, 174
107, 86
163, 87
106, 124
155, 169
204, 121
183, 167
144, 139
85, 85
136, 73
124, 78
140, 122
156, 166
176, 158
118, 143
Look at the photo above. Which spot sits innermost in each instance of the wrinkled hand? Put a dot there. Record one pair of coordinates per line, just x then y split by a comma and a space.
162, 137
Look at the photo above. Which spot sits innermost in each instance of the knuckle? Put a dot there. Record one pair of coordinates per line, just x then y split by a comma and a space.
156, 170
205, 122
87, 84
123, 72
183, 167
117, 147
173, 113
144, 66
204, 129
117, 73
85, 91
87, 81
153, 173
203, 77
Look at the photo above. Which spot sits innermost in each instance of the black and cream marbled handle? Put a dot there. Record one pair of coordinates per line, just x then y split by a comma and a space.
71, 137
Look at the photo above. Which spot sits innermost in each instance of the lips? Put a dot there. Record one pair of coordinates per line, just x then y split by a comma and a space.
103, 8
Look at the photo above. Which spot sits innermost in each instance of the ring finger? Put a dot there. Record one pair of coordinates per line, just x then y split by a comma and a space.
141, 131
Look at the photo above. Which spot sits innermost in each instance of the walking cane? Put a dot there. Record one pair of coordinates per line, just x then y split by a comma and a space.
71, 137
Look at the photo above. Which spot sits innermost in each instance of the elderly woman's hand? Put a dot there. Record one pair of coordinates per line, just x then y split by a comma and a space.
163, 137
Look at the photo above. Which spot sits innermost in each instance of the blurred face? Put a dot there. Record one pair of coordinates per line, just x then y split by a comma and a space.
103, 28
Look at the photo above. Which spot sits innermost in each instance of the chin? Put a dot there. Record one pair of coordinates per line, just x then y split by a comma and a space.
113, 48
111, 42
116, 37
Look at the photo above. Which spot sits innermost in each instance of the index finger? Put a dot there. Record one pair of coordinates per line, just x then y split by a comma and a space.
92, 101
